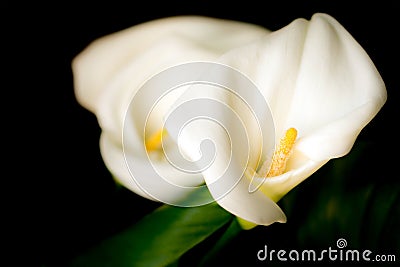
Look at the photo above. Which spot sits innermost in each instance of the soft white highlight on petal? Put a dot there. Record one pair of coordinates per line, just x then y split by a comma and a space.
103, 59
273, 63
336, 138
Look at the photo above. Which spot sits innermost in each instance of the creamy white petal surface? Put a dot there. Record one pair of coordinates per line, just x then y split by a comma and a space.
319, 80
313, 74
111, 69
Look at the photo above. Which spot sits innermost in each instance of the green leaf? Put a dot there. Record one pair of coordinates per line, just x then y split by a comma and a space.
159, 239
354, 197
381, 203
231, 232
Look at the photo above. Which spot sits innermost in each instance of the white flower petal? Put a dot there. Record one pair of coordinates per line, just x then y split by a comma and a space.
299, 168
313, 74
148, 186
317, 79
228, 125
273, 63
338, 91
336, 138
104, 58
110, 71
113, 156
256, 207
184, 40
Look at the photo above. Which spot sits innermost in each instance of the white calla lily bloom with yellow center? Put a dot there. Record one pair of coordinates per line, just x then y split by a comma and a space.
321, 87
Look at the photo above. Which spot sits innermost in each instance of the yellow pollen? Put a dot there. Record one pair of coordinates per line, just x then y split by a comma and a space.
282, 153
154, 141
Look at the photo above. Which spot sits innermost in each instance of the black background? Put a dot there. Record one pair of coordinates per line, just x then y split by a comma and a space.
57, 196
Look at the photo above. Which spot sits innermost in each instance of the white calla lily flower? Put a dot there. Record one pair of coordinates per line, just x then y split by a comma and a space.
321, 87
